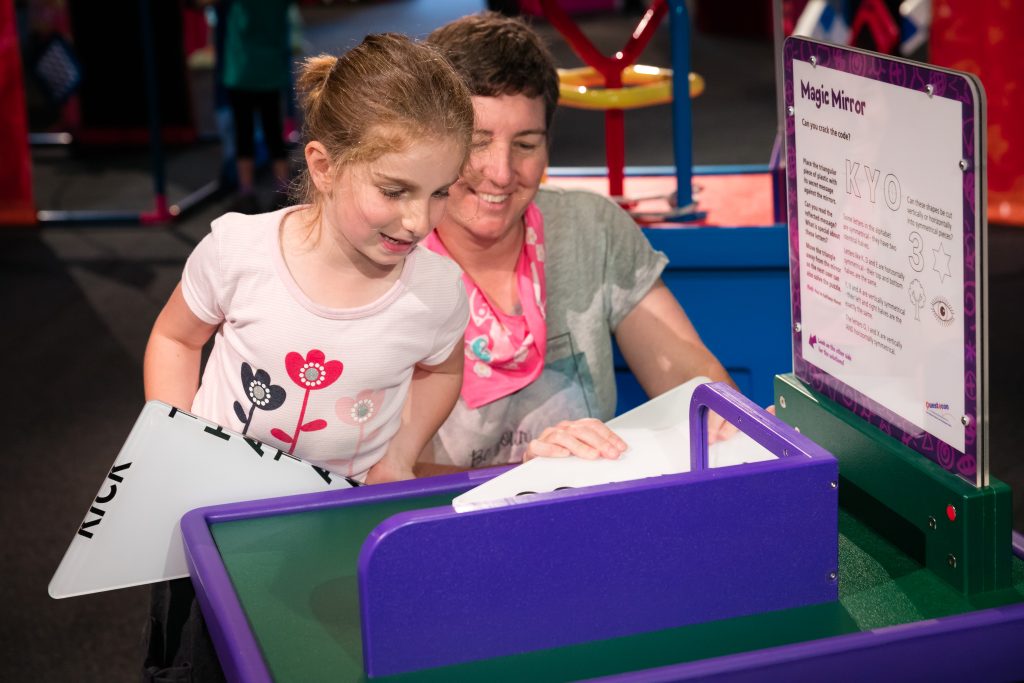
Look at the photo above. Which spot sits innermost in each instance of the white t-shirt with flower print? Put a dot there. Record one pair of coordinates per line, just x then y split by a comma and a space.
322, 383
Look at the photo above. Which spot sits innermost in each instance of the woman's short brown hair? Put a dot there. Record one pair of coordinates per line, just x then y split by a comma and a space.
499, 55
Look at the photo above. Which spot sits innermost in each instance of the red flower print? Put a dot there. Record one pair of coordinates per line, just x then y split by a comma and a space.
311, 373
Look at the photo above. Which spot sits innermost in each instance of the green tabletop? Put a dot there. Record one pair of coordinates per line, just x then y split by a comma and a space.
295, 576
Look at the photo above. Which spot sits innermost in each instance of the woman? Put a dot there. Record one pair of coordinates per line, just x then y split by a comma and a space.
551, 275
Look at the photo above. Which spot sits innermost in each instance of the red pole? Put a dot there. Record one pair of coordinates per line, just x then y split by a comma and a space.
611, 69
16, 207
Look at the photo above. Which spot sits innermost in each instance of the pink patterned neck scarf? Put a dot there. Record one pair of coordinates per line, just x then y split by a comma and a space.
504, 353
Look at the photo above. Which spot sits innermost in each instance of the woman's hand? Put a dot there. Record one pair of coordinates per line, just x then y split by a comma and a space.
592, 439
720, 430
587, 438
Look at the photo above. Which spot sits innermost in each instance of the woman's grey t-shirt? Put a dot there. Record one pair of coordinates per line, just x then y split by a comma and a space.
599, 266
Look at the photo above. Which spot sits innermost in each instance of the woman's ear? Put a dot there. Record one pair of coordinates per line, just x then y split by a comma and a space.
319, 164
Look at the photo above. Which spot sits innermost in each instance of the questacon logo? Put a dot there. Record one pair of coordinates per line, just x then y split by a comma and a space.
938, 411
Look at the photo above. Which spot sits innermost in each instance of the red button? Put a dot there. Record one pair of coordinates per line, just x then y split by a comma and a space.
951, 513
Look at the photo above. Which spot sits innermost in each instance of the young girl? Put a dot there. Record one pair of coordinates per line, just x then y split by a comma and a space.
338, 338
328, 316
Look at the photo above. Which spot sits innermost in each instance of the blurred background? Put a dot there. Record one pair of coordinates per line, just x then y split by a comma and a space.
100, 205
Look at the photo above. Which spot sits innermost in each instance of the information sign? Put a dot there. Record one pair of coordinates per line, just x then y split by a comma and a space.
885, 163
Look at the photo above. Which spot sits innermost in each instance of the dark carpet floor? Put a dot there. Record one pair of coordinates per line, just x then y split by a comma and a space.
80, 302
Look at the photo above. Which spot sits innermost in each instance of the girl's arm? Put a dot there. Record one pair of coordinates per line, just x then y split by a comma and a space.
170, 368
432, 395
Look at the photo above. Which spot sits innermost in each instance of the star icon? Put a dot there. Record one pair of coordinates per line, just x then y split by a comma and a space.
941, 262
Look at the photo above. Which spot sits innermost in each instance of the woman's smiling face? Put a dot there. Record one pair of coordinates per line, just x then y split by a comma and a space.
507, 160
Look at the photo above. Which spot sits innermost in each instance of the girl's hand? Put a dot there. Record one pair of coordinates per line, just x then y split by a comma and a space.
385, 471
587, 438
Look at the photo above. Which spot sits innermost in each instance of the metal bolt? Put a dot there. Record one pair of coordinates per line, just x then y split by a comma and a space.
832, 576
814, 60
797, 429
965, 420
782, 402
963, 164
932, 523
790, 110
951, 561
930, 89
834, 484
797, 327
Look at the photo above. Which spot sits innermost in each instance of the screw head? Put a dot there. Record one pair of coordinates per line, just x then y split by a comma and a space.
930, 89
965, 420
790, 110
832, 576
797, 327
951, 561
814, 60
834, 484
782, 402
963, 164
932, 523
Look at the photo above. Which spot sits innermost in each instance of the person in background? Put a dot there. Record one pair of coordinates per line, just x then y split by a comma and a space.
256, 72
552, 276
337, 337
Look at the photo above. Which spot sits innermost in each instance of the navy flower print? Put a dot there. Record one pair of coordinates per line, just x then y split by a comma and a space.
262, 394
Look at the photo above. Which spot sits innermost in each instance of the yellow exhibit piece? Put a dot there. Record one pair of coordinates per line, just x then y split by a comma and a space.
642, 86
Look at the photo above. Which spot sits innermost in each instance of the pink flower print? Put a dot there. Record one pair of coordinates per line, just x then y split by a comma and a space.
311, 373
359, 411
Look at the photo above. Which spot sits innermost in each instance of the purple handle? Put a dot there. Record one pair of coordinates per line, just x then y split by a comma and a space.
767, 430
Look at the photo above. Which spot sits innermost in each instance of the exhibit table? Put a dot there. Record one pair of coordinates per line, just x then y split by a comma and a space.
277, 583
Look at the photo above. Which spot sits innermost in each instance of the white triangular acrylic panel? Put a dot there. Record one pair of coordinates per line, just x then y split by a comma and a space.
658, 436
172, 462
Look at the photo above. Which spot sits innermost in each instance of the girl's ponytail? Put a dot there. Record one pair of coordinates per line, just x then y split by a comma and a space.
311, 85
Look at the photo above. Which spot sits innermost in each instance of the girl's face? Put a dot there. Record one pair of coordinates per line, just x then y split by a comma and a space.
507, 161
379, 210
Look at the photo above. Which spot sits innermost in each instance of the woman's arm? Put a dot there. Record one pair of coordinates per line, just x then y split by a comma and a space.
170, 368
663, 350
432, 395
661, 346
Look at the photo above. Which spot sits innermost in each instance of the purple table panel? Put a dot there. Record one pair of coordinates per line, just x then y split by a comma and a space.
609, 561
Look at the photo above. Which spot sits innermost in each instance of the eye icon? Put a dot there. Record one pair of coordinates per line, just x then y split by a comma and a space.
942, 311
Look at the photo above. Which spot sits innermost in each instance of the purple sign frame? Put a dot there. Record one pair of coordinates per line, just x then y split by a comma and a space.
972, 462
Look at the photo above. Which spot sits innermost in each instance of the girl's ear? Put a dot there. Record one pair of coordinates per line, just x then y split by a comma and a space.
319, 164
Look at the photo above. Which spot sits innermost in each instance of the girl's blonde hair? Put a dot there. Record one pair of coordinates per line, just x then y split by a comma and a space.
378, 98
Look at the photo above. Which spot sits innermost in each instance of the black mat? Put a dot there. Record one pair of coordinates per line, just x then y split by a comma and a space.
79, 303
